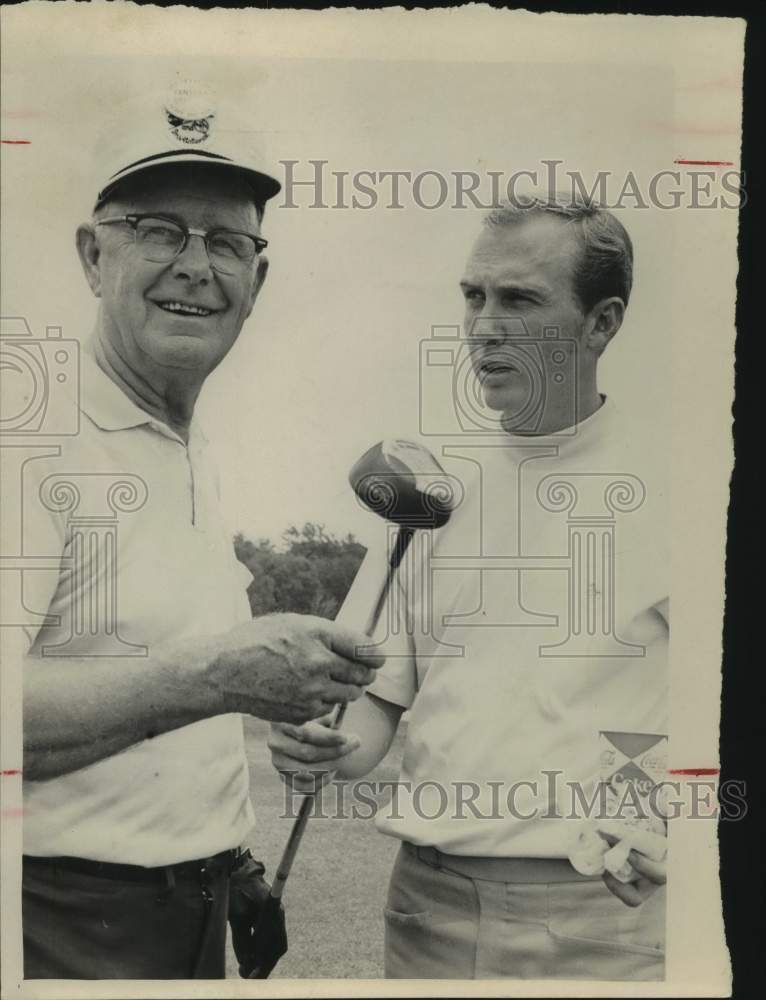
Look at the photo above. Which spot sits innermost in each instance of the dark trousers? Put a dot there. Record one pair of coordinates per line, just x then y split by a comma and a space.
114, 922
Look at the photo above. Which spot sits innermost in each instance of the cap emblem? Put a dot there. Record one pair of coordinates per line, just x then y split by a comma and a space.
189, 130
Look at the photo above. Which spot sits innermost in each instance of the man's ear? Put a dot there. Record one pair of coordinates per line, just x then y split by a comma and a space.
603, 322
260, 276
89, 253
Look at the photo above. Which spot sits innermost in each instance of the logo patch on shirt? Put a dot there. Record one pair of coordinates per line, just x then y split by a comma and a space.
640, 759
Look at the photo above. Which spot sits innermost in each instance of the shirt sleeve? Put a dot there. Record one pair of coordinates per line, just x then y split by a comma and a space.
396, 680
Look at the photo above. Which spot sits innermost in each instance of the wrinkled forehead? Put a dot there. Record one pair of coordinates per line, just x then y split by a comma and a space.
536, 248
194, 194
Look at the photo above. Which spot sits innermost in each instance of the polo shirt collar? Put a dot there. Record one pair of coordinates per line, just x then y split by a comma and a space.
109, 407
102, 400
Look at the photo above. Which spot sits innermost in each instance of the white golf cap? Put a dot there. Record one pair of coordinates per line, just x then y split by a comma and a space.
186, 124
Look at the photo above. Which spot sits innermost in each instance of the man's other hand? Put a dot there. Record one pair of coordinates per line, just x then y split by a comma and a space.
307, 756
651, 874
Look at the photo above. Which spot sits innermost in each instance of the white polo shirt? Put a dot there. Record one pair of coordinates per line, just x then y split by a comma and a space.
146, 559
535, 643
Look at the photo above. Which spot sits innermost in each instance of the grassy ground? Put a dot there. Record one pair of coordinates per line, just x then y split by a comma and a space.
334, 898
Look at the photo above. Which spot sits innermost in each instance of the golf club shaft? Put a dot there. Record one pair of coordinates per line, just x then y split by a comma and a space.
402, 541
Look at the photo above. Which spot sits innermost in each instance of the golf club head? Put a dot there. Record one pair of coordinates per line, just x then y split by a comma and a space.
402, 482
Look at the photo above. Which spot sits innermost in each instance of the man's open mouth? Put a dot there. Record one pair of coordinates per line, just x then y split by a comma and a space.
184, 309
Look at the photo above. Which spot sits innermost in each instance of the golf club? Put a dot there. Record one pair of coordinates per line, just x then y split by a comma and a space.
403, 483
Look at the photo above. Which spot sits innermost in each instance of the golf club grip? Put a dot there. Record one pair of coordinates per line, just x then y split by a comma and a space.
403, 539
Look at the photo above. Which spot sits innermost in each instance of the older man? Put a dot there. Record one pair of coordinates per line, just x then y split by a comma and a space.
532, 651
136, 781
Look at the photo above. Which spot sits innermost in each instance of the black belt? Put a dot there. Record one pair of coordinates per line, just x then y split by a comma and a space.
225, 862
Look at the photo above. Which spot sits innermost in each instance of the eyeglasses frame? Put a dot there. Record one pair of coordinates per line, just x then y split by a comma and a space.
134, 218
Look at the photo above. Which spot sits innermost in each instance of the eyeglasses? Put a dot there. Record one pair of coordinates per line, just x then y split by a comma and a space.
161, 240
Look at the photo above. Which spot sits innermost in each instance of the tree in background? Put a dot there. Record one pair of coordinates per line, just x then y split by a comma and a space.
311, 573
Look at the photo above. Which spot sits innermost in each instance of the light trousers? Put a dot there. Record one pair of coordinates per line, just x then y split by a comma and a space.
443, 925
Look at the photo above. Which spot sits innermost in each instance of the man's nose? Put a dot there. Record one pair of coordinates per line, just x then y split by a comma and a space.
193, 262
498, 327
488, 328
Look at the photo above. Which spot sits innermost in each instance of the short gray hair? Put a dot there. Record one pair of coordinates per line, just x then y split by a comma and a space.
605, 265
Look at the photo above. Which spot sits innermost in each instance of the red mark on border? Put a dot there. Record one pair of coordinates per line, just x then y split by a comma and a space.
16, 142
694, 772
11, 771
705, 163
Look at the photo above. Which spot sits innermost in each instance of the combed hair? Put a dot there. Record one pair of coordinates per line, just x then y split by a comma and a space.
605, 265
